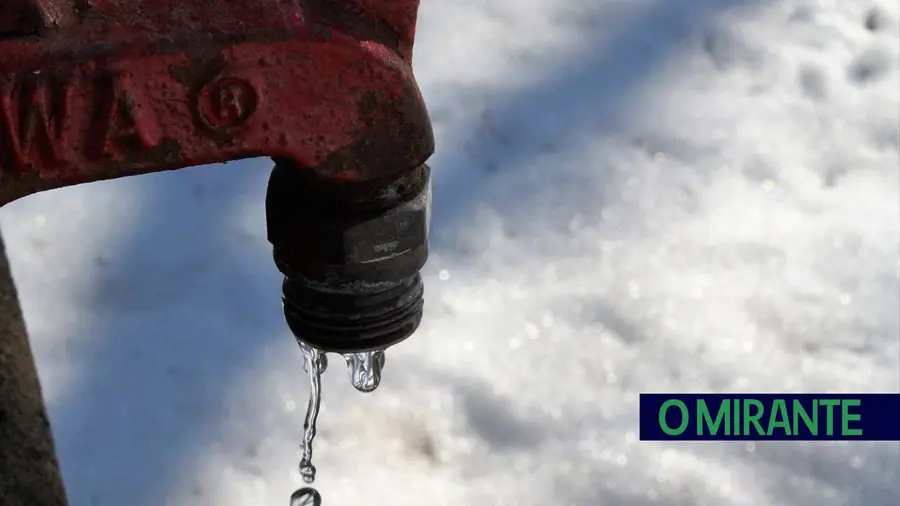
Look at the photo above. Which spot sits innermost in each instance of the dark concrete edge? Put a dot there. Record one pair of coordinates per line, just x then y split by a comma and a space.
29, 469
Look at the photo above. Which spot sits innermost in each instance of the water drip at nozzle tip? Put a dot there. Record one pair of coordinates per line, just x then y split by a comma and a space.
365, 376
365, 369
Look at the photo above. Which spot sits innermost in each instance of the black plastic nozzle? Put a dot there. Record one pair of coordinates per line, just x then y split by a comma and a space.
351, 255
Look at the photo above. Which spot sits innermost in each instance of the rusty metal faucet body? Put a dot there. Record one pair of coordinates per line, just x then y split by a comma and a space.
101, 89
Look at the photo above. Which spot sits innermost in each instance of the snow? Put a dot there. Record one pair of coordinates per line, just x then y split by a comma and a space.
631, 196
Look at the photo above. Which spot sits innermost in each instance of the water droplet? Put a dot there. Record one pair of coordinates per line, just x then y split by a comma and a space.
314, 363
306, 496
307, 472
365, 369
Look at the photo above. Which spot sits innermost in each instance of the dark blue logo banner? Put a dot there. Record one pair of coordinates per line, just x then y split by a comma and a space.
774, 417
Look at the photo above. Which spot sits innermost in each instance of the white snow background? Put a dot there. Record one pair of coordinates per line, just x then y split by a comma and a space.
631, 196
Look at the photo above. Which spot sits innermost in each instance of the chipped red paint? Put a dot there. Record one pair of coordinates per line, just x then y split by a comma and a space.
101, 89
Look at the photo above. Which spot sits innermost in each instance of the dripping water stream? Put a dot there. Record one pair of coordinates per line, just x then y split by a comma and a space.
365, 376
315, 363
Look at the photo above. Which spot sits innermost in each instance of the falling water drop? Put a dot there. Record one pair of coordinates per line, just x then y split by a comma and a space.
314, 363
365, 369
306, 496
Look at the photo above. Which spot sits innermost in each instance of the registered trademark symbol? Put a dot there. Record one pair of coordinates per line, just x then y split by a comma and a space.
227, 102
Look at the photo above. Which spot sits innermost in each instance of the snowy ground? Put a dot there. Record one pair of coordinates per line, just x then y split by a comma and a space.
653, 195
